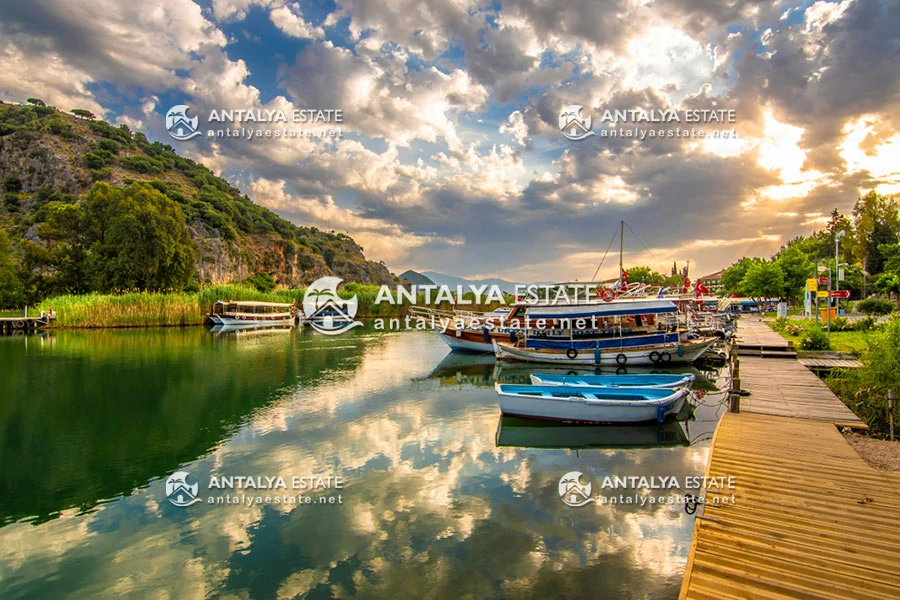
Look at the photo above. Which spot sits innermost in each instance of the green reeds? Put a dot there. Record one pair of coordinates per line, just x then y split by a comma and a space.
137, 309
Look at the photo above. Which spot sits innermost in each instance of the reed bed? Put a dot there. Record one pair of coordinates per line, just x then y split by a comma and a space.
137, 309
158, 309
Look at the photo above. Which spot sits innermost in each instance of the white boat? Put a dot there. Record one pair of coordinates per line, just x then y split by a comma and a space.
651, 380
590, 404
686, 351
239, 314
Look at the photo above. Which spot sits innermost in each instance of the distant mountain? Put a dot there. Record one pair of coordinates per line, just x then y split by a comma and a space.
415, 278
453, 281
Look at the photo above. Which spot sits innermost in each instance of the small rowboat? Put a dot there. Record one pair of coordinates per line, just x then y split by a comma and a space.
590, 404
674, 380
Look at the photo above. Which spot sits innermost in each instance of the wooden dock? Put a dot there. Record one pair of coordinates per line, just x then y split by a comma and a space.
22, 324
755, 338
810, 519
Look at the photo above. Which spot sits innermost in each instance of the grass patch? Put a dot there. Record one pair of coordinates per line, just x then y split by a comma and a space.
853, 342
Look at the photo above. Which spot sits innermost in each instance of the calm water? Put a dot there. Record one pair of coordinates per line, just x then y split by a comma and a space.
435, 501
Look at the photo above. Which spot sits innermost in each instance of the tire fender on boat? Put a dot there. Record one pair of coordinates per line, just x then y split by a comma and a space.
665, 356
680, 350
654, 356
621, 359
571, 353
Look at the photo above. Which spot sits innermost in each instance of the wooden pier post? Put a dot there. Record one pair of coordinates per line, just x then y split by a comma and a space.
735, 391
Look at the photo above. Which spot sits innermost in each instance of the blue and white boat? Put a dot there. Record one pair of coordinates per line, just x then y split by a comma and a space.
590, 404
651, 380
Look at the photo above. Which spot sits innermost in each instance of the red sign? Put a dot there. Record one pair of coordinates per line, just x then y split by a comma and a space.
840, 293
823, 281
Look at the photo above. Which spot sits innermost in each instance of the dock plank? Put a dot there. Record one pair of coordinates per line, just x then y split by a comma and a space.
811, 519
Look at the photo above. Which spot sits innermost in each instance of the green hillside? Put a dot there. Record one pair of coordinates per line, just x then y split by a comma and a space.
88, 206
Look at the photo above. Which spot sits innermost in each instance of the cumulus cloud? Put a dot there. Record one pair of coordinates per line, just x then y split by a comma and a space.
451, 144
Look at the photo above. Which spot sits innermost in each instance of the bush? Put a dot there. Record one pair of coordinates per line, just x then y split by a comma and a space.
815, 339
12, 183
875, 306
865, 389
262, 281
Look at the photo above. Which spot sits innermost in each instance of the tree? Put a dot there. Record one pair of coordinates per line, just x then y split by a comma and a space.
138, 239
645, 275
797, 268
84, 114
734, 275
11, 289
35, 102
764, 279
888, 284
877, 223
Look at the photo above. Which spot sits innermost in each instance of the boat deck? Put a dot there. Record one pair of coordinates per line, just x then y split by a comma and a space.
810, 519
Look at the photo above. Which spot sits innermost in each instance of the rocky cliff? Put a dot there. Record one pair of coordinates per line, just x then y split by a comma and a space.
47, 155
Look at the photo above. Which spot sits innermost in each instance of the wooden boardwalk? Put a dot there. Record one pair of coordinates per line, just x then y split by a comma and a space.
787, 388
810, 519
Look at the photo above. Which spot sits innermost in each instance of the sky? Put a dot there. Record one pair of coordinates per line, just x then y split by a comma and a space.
451, 156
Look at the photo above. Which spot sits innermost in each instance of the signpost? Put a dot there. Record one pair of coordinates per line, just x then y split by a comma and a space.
839, 294
812, 285
822, 294
824, 280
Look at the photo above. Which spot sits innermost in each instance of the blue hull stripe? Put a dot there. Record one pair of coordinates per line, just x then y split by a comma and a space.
605, 343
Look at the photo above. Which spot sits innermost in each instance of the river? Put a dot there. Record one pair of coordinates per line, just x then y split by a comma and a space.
416, 487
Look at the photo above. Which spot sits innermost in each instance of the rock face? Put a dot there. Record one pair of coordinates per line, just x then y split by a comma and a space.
48, 155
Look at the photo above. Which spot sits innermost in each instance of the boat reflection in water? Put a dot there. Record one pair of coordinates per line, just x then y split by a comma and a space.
536, 433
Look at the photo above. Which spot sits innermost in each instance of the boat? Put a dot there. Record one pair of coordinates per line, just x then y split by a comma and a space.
685, 350
620, 321
537, 433
252, 314
590, 404
674, 380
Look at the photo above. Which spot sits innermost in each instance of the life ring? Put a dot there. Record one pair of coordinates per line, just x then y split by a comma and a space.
654, 356
571, 353
606, 295
621, 359
665, 356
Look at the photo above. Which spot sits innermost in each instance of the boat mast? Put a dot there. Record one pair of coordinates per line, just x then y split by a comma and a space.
621, 253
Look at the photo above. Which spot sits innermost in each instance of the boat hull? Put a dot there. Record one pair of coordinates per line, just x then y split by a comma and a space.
579, 410
642, 355
247, 323
649, 380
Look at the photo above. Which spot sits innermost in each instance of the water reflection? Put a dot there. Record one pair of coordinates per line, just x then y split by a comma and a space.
433, 505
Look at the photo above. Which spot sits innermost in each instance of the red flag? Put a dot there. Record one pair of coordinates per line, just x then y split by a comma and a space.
624, 280
733, 295
701, 289
686, 286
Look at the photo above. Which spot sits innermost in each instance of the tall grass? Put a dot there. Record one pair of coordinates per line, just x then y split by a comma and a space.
865, 389
149, 309
138, 309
